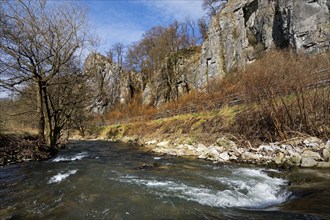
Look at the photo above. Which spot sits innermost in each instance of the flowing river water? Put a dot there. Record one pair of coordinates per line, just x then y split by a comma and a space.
104, 180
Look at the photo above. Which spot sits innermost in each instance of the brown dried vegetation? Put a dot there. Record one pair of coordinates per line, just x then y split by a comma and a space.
285, 95
289, 94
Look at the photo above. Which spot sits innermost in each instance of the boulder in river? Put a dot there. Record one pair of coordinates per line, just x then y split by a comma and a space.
251, 156
311, 154
152, 142
327, 145
295, 159
164, 144
312, 142
213, 153
224, 156
326, 154
278, 159
201, 148
226, 143
308, 162
265, 148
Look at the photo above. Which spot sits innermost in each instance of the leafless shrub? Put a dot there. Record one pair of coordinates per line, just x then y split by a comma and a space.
290, 95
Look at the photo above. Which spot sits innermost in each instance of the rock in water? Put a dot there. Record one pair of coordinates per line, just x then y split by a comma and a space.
326, 154
327, 145
311, 154
164, 144
224, 156
279, 158
308, 162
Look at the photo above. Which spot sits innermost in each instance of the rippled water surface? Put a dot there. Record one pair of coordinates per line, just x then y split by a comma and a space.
102, 180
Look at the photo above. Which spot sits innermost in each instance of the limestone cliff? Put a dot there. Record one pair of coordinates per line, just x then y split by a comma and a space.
177, 76
109, 83
240, 33
244, 29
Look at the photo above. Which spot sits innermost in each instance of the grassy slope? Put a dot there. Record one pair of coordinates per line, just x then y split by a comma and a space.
203, 127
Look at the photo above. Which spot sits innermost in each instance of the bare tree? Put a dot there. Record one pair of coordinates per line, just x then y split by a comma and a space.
148, 55
119, 48
213, 6
68, 97
116, 53
110, 55
189, 29
37, 41
202, 28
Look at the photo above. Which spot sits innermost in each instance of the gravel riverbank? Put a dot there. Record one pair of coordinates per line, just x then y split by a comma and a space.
301, 152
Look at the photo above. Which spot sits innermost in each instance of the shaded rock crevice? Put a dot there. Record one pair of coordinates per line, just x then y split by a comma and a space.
244, 29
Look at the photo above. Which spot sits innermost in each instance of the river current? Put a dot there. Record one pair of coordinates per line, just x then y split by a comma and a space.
104, 180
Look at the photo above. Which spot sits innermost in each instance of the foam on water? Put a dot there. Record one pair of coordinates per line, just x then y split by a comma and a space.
77, 156
248, 188
61, 176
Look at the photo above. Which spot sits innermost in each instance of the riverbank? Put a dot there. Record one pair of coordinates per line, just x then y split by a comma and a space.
208, 136
17, 148
298, 152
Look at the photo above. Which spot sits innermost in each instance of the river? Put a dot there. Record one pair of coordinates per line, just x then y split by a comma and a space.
104, 180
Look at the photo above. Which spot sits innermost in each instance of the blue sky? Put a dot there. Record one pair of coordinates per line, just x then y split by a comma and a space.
126, 20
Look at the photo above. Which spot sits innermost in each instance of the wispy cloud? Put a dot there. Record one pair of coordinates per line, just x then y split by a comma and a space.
113, 33
176, 9
125, 21
113, 21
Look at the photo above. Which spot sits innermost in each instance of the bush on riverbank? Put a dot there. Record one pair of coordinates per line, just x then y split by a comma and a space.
18, 148
291, 96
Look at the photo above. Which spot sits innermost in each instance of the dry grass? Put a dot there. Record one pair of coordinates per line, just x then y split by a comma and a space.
133, 109
287, 102
216, 89
283, 101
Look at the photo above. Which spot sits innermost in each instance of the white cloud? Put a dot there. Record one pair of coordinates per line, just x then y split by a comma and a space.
113, 26
117, 32
125, 22
177, 9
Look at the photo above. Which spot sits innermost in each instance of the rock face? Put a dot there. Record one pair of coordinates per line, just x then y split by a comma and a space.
244, 29
211, 61
241, 32
177, 76
109, 82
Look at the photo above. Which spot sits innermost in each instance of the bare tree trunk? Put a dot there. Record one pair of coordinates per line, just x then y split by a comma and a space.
49, 118
40, 112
